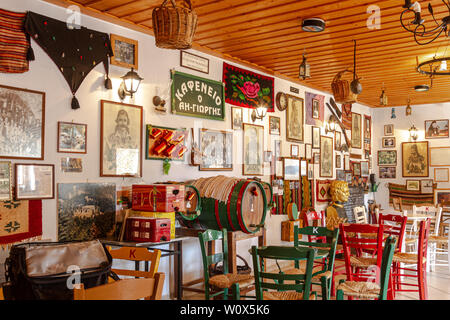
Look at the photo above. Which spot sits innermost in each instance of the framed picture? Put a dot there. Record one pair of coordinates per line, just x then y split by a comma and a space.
426, 186
388, 142
367, 127
442, 196
356, 169
387, 157
194, 62
294, 119
415, 159
165, 143
316, 157
366, 154
253, 150
315, 134
121, 140
347, 162
303, 168
274, 125
439, 156
387, 172
340, 175
34, 181
388, 129
294, 150
364, 168
337, 141
125, 52
349, 177
413, 185
356, 130
216, 148
5, 181
435, 129
71, 165
308, 151
310, 171
441, 175
291, 169
326, 156
338, 161
22, 119
315, 109
72, 137
236, 118
277, 150
268, 156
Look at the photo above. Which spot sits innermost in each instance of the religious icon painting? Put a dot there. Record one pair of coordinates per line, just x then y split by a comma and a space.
294, 119
415, 159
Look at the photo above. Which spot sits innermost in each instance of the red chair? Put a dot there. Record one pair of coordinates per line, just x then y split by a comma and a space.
419, 259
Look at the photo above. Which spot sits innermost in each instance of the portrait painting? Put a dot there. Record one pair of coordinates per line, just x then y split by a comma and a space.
315, 134
274, 125
216, 148
387, 157
121, 140
415, 159
5, 181
72, 137
435, 129
236, 118
356, 130
253, 150
326, 156
22, 123
294, 119
125, 52
387, 172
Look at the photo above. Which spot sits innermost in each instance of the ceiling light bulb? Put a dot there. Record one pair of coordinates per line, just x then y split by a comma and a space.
443, 65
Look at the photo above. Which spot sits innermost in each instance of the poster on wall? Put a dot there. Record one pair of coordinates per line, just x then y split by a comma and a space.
314, 109
197, 97
247, 89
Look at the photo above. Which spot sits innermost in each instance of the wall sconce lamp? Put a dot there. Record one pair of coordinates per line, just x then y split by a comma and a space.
413, 133
130, 84
260, 111
330, 125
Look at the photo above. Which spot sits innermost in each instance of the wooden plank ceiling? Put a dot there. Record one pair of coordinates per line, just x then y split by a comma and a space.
268, 34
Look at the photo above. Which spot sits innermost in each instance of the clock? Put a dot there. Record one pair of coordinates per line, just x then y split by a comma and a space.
281, 101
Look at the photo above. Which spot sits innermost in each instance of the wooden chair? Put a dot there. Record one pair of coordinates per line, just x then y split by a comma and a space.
222, 283
275, 282
126, 289
359, 213
397, 204
137, 254
370, 290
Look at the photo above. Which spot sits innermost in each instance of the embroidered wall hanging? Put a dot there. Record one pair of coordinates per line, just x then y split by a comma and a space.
245, 88
75, 51
20, 220
347, 115
307, 193
323, 190
314, 109
15, 50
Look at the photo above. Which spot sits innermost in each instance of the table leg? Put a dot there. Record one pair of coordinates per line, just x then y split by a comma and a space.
178, 269
232, 266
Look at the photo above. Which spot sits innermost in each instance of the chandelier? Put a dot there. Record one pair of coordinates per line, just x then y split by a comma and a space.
422, 34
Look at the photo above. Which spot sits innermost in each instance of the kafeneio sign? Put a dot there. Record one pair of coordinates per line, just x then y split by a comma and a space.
197, 97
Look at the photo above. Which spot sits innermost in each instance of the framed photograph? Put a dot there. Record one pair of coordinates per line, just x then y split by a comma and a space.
316, 157
388, 129
356, 130
338, 161
5, 181
356, 169
22, 123
413, 185
308, 151
364, 168
236, 118
426, 186
34, 181
303, 168
415, 159
71, 165
387, 172
310, 171
435, 129
194, 62
125, 52
442, 196
291, 169
347, 162
441, 175
340, 175
367, 127
388, 142
268, 156
315, 109
253, 150
337, 141
326, 156
387, 157
216, 148
294, 150
294, 119
315, 134
277, 150
72, 137
439, 156
274, 125
121, 140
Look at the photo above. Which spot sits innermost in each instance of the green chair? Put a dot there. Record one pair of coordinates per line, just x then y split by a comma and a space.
371, 290
299, 286
221, 284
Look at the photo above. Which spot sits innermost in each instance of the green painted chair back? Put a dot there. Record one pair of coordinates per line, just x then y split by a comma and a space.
276, 279
386, 263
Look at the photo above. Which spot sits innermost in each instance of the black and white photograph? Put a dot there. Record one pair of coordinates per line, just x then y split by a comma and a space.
5, 181
326, 156
274, 125
72, 137
71, 165
253, 150
388, 142
315, 134
236, 118
125, 52
216, 148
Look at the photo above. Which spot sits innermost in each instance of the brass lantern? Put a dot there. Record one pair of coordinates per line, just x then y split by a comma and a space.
413, 132
408, 108
304, 69
383, 97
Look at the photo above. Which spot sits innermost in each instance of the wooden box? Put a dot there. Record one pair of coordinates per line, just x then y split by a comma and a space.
167, 215
142, 229
158, 198
287, 229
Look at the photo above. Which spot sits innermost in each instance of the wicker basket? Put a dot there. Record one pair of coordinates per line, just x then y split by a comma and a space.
175, 26
341, 89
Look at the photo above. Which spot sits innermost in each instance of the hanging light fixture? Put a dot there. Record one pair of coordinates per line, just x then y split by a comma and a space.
408, 109
413, 133
260, 111
383, 97
330, 125
304, 69
130, 84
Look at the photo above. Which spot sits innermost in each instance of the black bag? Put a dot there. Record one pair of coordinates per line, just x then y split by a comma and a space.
40, 270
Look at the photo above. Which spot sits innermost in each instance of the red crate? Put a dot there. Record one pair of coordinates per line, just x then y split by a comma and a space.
158, 198
143, 229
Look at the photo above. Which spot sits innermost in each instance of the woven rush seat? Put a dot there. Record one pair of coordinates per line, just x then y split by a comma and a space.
405, 257
285, 295
224, 281
440, 239
363, 290
410, 240
362, 262
327, 274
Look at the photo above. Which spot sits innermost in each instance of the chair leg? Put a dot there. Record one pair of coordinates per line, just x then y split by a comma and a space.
421, 277
340, 295
236, 293
206, 291
325, 288
333, 287
225, 294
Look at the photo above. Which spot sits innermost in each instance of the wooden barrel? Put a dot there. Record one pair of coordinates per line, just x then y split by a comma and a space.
231, 203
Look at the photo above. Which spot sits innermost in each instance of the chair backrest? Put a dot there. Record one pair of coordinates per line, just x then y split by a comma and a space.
206, 237
397, 204
435, 214
359, 213
397, 228
424, 232
312, 218
386, 263
136, 254
276, 280
355, 242
126, 289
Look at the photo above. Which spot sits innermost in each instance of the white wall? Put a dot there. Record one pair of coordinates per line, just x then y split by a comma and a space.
154, 66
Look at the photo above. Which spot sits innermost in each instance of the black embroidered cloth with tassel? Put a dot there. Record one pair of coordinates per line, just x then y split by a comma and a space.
76, 51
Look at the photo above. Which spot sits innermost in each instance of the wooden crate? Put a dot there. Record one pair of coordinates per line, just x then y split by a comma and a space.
287, 229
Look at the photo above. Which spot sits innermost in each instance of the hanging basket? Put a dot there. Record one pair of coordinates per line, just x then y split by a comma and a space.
174, 26
341, 89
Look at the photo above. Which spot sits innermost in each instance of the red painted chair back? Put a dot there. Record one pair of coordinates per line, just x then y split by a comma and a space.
312, 218
397, 228
424, 233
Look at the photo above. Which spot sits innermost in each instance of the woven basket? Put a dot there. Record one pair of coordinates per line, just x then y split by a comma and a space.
175, 26
341, 89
